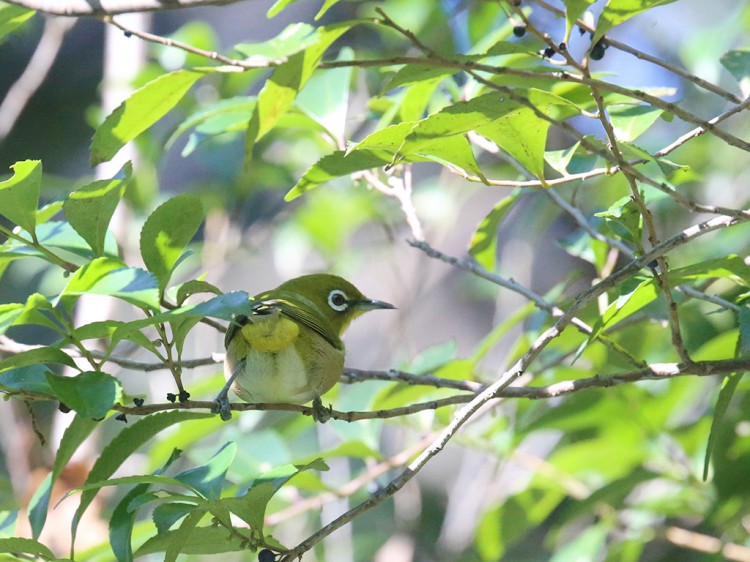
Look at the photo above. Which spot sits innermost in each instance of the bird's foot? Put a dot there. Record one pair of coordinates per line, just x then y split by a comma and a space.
321, 414
221, 406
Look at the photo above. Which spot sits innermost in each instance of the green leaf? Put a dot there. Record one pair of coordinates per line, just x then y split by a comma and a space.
123, 446
30, 381
79, 429
278, 7
223, 307
142, 109
11, 17
294, 38
167, 514
60, 237
413, 73
731, 267
222, 116
208, 479
483, 245
631, 121
182, 535
194, 287
41, 355
624, 220
107, 276
16, 314
251, 507
458, 119
453, 151
166, 233
522, 133
91, 393
326, 97
123, 518
388, 139
202, 540
336, 165
19, 196
284, 84
510, 124
15, 545
560, 159
618, 11
737, 62
728, 388
631, 300
573, 11
327, 5
90, 208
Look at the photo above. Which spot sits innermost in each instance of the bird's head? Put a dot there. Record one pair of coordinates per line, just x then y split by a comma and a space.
335, 298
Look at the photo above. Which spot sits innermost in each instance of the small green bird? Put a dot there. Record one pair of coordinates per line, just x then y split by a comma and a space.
289, 348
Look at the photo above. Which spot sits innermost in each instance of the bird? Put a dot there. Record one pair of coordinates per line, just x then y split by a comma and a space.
289, 348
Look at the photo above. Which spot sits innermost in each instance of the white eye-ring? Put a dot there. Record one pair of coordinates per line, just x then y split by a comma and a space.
338, 300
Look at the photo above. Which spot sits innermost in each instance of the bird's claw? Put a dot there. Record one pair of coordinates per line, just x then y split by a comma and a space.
221, 407
320, 413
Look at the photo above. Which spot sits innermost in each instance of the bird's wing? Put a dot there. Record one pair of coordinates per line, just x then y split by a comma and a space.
295, 308
301, 310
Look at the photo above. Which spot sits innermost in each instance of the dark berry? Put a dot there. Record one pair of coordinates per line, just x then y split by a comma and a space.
548, 52
519, 30
171, 396
138, 402
122, 418
128, 34
597, 51
562, 46
184, 395
63, 408
266, 555
581, 30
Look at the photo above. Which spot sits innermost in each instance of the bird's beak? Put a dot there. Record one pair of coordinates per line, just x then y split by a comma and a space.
367, 304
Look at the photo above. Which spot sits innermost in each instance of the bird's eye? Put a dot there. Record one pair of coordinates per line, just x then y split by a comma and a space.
337, 300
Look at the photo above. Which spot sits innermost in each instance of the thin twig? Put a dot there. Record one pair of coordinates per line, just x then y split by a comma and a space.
700, 82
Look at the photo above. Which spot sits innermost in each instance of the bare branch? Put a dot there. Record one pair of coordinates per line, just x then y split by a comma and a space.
75, 8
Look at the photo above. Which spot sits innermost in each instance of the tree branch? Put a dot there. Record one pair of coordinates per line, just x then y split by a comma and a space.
75, 8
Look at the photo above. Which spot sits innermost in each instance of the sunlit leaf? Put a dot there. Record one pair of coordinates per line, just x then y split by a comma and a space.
12, 17
294, 38
336, 165
618, 11
284, 84
631, 121
19, 195
90, 208
107, 276
167, 232
574, 9
142, 109
483, 245
91, 393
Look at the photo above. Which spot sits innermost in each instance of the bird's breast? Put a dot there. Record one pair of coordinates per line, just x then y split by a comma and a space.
304, 369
